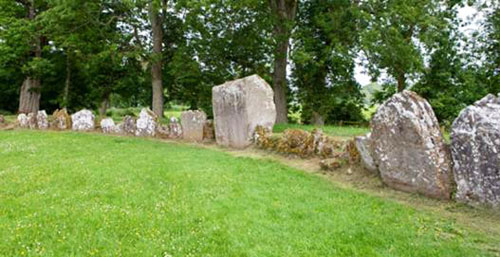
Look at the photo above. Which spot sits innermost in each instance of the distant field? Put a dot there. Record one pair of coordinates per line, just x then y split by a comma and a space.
70, 194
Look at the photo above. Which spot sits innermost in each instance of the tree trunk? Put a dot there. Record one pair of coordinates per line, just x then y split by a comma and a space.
67, 82
156, 66
30, 94
284, 12
401, 82
29, 97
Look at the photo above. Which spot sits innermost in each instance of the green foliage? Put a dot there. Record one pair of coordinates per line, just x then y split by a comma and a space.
114, 196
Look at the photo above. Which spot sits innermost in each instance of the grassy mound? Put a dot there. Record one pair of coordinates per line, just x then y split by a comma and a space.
68, 194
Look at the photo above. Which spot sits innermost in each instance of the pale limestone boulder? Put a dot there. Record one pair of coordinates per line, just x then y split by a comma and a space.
408, 147
83, 120
42, 120
475, 148
32, 120
364, 146
146, 123
192, 123
108, 126
22, 120
239, 107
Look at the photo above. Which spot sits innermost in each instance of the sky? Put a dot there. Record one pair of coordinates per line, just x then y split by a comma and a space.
464, 13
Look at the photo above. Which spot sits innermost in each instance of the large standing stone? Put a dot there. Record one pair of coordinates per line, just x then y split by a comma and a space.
475, 148
22, 120
42, 120
408, 147
175, 129
108, 126
146, 124
83, 120
239, 107
192, 123
364, 146
61, 119
128, 125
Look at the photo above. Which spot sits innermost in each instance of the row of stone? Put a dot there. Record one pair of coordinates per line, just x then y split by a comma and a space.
407, 148
194, 125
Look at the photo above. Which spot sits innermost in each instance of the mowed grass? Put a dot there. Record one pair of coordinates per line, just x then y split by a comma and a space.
332, 130
68, 194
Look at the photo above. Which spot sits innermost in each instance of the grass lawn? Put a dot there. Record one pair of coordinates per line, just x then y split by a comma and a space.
337, 131
68, 194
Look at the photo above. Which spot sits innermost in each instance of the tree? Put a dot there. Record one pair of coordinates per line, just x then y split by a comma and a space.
283, 12
156, 16
397, 33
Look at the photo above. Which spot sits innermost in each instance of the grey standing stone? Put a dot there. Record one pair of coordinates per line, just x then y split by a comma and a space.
83, 121
364, 146
61, 120
175, 128
146, 124
239, 107
108, 126
22, 120
192, 123
475, 148
42, 120
409, 149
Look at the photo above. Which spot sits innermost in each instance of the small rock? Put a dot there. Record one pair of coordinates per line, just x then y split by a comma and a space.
175, 128
83, 121
61, 120
332, 164
162, 131
192, 123
363, 144
108, 126
32, 120
128, 125
146, 123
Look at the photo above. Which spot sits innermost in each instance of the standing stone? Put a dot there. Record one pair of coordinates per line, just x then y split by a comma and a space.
146, 124
108, 126
129, 125
61, 119
364, 146
192, 123
240, 106
409, 149
42, 120
32, 120
208, 130
162, 131
175, 128
475, 148
83, 120
22, 120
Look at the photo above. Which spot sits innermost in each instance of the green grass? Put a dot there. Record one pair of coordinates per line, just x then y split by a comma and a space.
338, 131
68, 194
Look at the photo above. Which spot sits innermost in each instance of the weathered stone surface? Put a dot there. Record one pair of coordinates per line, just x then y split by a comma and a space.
22, 120
162, 131
42, 120
108, 126
146, 124
128, 125
240, 106
475, 148
209, 130
409, 149
297, 142
192, 123
32, 120
364, 146
175, 129
83, 120
61, 119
